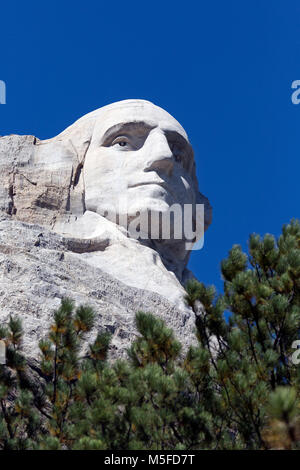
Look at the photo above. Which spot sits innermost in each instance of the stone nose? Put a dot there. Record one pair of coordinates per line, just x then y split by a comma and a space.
159, 154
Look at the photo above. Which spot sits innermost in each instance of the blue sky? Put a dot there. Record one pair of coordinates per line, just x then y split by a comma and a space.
223, 69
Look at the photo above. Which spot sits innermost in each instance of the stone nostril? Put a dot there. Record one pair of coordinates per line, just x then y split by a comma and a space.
164, 165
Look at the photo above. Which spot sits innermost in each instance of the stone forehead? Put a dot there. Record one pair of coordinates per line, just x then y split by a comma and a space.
131, 111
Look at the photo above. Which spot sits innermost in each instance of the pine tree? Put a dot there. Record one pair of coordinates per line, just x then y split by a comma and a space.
19, 418
60, 364
252, 353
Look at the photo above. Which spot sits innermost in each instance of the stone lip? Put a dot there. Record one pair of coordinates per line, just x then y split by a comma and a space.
37, 270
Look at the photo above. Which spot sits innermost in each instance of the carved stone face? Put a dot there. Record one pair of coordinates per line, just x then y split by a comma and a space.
124, 159
139, 158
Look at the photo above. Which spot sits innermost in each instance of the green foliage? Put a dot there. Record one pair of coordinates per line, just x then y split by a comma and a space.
236, 388
250, 355
19, 420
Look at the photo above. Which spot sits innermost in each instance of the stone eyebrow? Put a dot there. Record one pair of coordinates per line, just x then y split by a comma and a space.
140, 127
174, 135
184, 144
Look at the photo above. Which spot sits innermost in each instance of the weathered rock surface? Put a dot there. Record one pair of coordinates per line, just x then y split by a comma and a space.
37, 269
56, 241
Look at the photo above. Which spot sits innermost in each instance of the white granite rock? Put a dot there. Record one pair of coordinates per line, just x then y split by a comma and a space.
62, 226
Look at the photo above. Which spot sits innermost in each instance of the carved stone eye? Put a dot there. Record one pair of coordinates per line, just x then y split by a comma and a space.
120, 141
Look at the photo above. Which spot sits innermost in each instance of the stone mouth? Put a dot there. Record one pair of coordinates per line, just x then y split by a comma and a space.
157, 183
